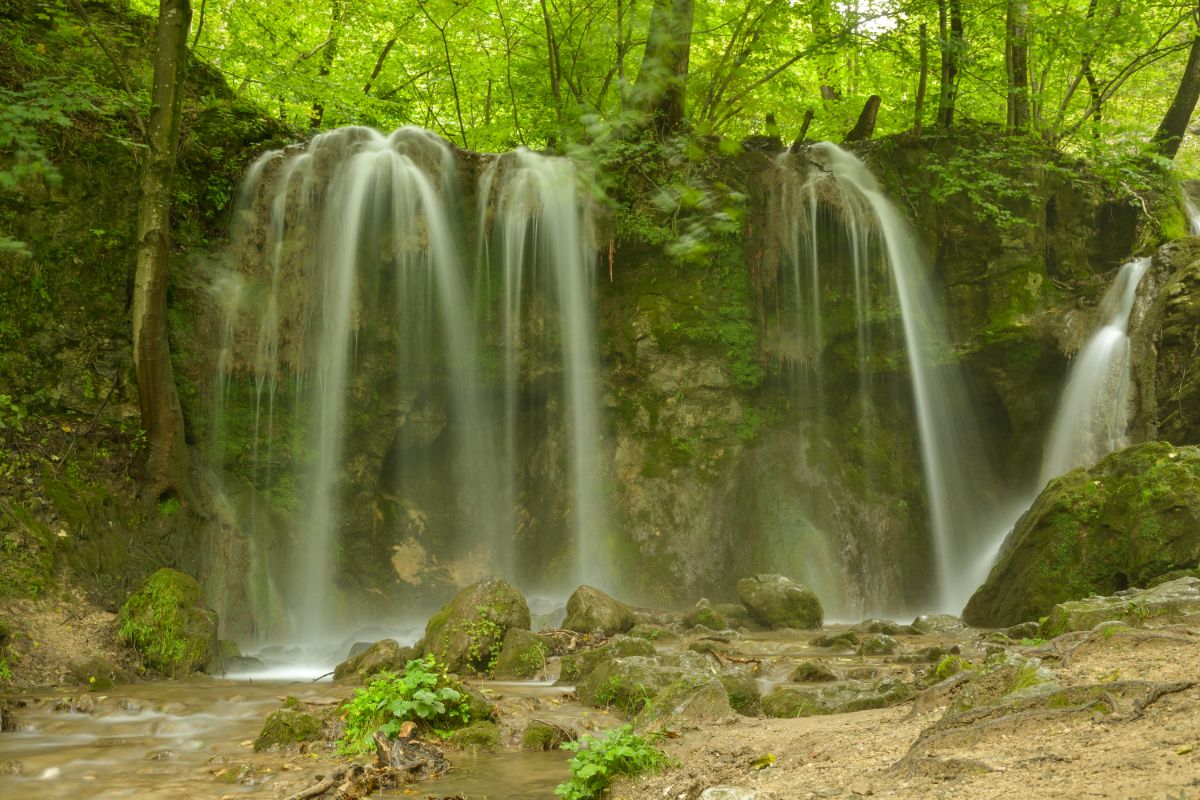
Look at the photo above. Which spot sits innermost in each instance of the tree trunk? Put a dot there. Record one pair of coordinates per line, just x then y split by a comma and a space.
950, 25
661, 82
1174, 124
798, 142
336, 10
866, 120
166, 455
1016, 53
922, 82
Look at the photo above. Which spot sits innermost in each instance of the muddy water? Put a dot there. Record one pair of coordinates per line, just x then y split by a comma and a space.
193, 739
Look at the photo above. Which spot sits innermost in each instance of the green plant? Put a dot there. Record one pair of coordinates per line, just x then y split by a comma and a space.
598, 761
484, 629
424, 693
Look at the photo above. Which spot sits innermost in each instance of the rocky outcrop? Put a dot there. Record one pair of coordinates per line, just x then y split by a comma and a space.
522, 655
1167, 602
838, 698
779, 602
467, 633
1132, 517
166, 622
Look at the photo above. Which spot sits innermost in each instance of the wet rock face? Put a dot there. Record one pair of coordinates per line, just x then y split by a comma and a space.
779, 602
1177, 370
522, 655
166, 622
590, 609
1131, 518
467, 633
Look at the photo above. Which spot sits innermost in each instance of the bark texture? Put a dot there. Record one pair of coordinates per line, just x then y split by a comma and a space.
165, 468
659, 92
1174, 124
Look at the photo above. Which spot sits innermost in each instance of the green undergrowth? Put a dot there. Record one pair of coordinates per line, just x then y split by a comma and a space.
599, 761
424, 693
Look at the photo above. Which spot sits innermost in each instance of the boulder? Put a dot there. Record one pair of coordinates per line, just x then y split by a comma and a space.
542, 735
1127, 520
522, 655
775, 601
467, 633
285, 727
876, 644
812, 672
1167, 602
704, 614
734, 613
944, 624
687, 700
479, 735
165, 620
742, 689
589, 609
579, 665
384, 655
841, 698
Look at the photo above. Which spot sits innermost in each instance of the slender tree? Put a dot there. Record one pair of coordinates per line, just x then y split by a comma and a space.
166, 457
1016, 62
1174, 124
660, 88
950, 26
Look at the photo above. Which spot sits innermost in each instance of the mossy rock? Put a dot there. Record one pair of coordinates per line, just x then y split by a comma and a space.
285, 727
841, 698
885, 626
742, 690
165, 622
589, 609
846, 640
522, 655
481, 735
943, 624
775, 601
386, 654
1122, 523
99, 675
876, 644
688, 700
467, 633
812, 672
626, 684
926, 655
1167, 602
735, 614
653, 633
1002, 676
576, 666
704, 614
539, 735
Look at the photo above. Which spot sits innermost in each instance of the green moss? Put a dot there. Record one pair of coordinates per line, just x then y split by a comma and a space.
481, 735
287, 726
166, 623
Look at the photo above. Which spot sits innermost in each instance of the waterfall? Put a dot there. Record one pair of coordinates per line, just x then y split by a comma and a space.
1093, 411
1193, 213
363, 302
832, 181
354, 396
541, 239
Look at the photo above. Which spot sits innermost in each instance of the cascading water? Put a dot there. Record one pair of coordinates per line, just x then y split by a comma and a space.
830, 181
352, 412
362, 296
544, 253
1193, 213
1094, 409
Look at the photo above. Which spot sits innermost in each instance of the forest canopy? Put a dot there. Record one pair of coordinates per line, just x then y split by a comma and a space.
1092, 76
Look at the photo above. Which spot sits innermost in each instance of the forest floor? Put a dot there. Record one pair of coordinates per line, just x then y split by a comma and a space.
1113, 714
1144, 747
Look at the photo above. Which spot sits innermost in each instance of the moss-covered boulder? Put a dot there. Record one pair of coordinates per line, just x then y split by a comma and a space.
522, 655
166, 622
287, 726
589, 609
841, 698
467, 633
1167, 602
876, 644
542, 735
742, 689
479, 735
688, 700
812, 672
1132, 517
626, 684
704, 614
386, 654
775, 601
575, 666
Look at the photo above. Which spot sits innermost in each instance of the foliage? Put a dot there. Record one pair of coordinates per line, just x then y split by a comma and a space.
424, 693
599, 761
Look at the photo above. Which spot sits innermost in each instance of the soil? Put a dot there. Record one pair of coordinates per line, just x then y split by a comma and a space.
1046, 755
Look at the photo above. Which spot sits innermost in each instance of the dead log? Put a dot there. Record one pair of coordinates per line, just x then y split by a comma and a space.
799, 141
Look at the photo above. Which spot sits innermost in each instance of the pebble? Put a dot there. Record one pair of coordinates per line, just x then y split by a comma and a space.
862, 787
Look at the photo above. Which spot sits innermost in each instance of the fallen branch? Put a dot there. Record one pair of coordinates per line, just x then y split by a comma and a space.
323, 784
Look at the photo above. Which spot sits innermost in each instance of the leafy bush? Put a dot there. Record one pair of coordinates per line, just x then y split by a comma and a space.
598, 762
424, 693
